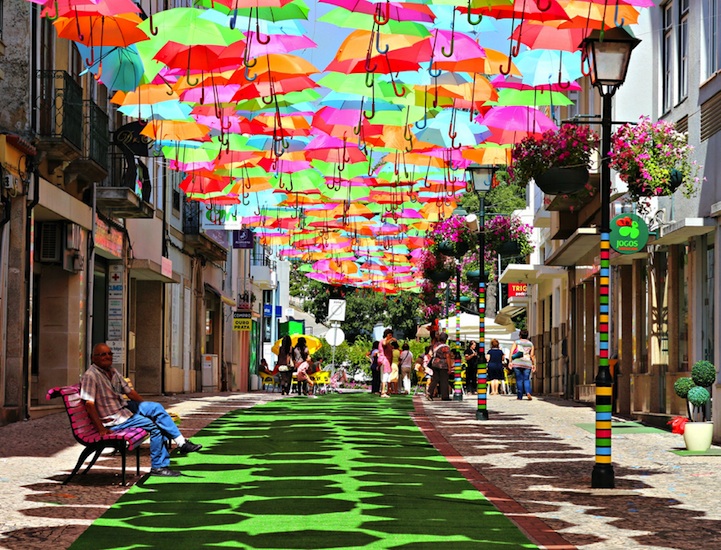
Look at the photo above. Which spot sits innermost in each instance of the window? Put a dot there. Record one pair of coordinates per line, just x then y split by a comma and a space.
666, 58
683, 49
711, 39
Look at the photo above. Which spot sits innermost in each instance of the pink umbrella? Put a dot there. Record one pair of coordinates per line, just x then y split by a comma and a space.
501, 81
511, 124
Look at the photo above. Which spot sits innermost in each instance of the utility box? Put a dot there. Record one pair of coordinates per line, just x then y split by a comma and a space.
291, 327
210, 373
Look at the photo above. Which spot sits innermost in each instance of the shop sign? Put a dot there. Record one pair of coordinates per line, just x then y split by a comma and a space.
242, 321
629, 233
242, 238
517, 290
108, 239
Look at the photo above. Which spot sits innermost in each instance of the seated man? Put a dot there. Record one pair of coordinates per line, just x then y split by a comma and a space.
103, 389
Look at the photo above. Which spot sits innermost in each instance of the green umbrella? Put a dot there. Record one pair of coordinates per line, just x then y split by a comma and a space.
341, 17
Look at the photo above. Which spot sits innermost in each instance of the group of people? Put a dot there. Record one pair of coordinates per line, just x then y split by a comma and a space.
292, 359
389, 364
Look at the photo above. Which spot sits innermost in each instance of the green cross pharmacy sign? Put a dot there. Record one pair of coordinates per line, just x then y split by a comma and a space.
629, 233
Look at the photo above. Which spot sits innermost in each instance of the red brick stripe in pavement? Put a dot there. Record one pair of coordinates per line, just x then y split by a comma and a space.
534, 528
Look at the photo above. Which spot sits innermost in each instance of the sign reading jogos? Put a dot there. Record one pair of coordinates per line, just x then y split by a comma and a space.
629, 233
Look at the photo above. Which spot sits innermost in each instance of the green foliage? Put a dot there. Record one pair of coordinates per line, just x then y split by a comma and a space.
698, 396
682, 386
703, 373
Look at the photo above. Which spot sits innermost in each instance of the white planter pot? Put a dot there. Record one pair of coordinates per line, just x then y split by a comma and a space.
698, 435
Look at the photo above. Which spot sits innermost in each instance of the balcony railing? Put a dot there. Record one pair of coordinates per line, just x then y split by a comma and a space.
196, 242
97, 141
60, 113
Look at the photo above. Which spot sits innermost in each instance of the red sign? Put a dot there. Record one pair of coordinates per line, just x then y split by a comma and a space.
517, 290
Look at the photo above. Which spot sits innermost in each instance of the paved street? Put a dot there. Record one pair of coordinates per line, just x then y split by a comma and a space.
531, 459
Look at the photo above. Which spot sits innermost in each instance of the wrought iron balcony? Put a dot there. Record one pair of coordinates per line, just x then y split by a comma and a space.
93, 163
196, 242
60, 116
121, 194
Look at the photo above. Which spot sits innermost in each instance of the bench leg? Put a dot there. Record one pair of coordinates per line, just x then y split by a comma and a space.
122, 457
84, 455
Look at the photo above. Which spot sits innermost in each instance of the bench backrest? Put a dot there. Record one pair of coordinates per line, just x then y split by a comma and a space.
83, 428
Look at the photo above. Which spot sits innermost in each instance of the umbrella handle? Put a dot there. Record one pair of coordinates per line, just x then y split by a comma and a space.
54, 16
616, 22
257, 29
153, 28
380, 21
473, 22
378, 43
453, 37
246, 74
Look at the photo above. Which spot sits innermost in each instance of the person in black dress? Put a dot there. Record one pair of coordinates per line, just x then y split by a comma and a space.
471, 357
495, 357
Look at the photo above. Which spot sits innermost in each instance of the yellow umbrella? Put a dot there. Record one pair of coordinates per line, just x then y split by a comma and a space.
313, 343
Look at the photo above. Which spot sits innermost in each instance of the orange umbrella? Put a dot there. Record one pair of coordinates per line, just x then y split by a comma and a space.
101, 30
175, 130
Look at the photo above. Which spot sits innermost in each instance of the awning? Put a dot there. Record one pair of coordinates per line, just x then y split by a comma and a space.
228, 301
575, 247
148, 270
683, 230
527, 273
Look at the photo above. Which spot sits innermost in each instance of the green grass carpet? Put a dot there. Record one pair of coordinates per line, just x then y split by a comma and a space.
340, 471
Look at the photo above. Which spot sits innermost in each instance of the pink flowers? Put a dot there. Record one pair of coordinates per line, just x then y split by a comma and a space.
653, 159
570, 145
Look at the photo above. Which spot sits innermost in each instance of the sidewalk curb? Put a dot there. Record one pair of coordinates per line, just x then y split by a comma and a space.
534, 528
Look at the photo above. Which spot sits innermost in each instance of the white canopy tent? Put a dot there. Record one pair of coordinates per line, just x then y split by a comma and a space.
506, 334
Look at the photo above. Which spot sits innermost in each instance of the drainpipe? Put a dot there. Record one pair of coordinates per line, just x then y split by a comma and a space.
164, 296
30, 221
90, 287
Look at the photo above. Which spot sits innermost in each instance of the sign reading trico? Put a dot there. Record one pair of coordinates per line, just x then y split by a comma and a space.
517, 290
242, 321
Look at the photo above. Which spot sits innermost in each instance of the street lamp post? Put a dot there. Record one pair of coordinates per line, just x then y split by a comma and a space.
480, 177
608, 54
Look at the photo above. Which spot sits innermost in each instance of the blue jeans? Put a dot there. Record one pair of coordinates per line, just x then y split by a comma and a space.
154, 419
523, 381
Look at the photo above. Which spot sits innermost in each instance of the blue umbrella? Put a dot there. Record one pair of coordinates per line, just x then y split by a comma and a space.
119, 68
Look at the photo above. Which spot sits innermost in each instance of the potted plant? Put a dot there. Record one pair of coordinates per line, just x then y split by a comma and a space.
697, 432
452, 237
558, 160
436, 267
508, 236
654, 160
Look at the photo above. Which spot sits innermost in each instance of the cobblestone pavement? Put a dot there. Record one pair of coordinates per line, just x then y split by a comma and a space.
533, 452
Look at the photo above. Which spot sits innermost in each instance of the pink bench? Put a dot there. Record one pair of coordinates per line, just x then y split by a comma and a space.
87, 435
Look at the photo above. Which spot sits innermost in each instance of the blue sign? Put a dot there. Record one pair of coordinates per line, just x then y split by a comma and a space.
268, 310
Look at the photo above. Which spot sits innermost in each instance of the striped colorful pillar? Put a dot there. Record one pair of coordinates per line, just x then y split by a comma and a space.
457, 365
482, 411
603, 476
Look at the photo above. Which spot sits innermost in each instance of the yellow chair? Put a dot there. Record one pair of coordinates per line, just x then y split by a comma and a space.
423, 381
320, 379
268, 380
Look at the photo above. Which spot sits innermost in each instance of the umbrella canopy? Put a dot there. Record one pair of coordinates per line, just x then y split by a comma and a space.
313, 343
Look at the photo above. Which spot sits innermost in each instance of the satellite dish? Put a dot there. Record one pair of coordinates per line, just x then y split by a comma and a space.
335, 336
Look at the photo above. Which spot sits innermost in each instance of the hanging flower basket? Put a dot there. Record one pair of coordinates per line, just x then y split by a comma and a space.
439, 275
654, 159
452, 237
562, 180
572, 145
446, 248
509, 248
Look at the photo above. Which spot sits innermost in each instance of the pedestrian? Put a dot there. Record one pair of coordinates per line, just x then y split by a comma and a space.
385, 356
393, 381
375, 368
103, 390
264, 369
285, 365
471, 357
300, 351
441, 363
523, 363
495, 358
406, 365
304, 371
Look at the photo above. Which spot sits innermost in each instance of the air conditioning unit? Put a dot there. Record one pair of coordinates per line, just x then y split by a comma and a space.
51, 240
